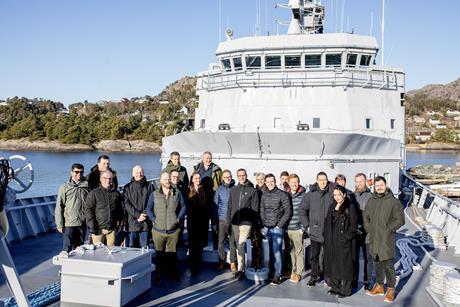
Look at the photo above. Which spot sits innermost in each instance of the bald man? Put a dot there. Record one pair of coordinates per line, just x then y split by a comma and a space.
135, 195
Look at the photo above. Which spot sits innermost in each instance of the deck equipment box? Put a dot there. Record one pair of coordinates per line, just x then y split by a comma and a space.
105, 276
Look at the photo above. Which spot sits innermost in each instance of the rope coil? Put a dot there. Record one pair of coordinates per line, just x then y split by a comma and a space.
438, 271
452, 288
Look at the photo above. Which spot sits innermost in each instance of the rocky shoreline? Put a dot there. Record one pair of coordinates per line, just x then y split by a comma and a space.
104, 145
433, 147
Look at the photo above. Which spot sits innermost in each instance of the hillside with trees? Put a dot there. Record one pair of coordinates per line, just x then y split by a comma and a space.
140, 118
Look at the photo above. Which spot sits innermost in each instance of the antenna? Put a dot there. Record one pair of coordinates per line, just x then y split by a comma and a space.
257, 17
383, 32
371, 29
220, 21
343, 11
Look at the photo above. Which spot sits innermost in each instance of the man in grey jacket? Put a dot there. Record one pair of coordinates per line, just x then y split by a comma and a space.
312, 214
69, 213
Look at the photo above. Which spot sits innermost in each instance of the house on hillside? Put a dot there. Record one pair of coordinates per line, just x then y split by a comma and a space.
183, 110
452, 113
164, 101
423, 136
441, 126
432, 113
434, 122
418, 119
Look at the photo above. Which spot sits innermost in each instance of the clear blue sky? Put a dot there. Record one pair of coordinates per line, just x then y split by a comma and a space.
70, 51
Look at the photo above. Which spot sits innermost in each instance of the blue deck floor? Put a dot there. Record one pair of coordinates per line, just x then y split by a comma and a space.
218, 288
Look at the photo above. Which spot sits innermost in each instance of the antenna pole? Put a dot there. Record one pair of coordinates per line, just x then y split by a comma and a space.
383, 32
371, 29
220, 21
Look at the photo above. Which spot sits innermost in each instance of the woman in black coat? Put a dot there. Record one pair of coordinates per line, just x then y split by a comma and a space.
339, 231
197, 221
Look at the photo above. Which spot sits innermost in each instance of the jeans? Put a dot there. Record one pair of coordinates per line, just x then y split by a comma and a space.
138, 238
73, 237
275, 241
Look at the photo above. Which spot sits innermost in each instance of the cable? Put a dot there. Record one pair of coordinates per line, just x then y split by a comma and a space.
438, 271
452, 288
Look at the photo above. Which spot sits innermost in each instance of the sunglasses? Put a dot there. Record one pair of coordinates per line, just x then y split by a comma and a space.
78, 172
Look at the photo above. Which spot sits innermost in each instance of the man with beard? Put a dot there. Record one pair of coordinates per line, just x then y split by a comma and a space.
135, 196
211, 179
166, 210
361, 196
383, 216
312, 213
243, 208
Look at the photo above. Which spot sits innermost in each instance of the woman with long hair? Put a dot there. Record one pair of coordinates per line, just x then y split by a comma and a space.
197, 221
339, 231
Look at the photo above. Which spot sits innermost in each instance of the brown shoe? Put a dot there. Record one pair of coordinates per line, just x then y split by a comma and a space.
377, 290
390, 295
221, 265
233, 267
295, 278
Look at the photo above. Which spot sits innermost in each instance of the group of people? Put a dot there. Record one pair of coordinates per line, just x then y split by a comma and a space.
340, 223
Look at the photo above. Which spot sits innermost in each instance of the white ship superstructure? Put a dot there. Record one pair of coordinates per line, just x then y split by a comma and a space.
302, 102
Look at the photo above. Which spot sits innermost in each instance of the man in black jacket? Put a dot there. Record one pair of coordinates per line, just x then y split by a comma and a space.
275, 212
103, 164
243, 208
135, 196
312, 214
104, 210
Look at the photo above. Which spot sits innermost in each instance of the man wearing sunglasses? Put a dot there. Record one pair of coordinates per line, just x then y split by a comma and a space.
69, 214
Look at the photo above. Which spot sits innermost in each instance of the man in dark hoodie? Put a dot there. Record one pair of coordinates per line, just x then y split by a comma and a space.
135, 196
221, 204
275, 212
103, 164
312, 214
174, 164
68, 213
243, 208
211, 179
383, 215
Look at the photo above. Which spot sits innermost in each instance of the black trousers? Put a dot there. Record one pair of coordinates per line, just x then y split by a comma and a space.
73, 237
386, 269
368, 261
315, 259
223, 235
342, 287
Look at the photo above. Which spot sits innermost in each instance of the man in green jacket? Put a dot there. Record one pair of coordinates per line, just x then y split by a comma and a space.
174, 165
69, 213
383, 216
166, 210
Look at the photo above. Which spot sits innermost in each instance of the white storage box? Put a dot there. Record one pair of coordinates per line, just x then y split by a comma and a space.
98, 277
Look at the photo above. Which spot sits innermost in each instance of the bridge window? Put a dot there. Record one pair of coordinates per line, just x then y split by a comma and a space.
365, 60
351, 59
392, 124
277, 122
272, 61
237, 63
333, 60
316, 122
202, 123
253, 62
226, 65
368, 123
292, 61
313, 60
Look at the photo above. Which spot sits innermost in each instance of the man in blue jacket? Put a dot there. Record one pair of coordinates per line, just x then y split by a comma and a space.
221, 205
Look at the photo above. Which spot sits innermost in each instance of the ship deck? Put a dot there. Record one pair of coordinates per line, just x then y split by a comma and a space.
218, 288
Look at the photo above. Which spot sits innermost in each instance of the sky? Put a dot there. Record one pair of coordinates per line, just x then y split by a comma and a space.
93, 50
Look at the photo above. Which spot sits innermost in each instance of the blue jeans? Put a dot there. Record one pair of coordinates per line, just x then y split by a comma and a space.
275, 240
73, 237
138, 238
